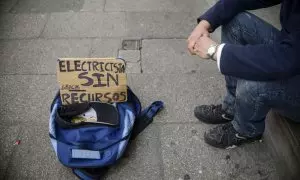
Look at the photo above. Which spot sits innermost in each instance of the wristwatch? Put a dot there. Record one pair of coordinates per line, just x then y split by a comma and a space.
212, 50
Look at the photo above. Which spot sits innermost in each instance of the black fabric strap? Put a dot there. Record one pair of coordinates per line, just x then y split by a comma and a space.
146, 118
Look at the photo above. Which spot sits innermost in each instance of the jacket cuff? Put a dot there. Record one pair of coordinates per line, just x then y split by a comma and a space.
224, 67
219, 55
208, 16
228, 64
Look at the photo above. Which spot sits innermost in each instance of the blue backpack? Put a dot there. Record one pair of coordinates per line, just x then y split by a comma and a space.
90, 149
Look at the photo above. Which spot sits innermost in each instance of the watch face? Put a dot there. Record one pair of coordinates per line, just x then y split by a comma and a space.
211, 50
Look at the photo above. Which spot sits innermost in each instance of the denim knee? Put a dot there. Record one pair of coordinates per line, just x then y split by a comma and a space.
239, 20
232, 31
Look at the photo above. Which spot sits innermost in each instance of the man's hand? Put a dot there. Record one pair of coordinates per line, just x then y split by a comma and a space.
201, 30
202, 45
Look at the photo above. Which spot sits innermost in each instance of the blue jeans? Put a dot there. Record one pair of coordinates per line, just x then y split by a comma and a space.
250, 101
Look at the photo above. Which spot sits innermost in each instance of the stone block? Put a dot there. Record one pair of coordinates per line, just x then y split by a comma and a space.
133, 68
39, 56
105, 47
156, 6
130, 55
159, 24
47, 6
93, 5
26, 99
17, 26
172, 56
85, 24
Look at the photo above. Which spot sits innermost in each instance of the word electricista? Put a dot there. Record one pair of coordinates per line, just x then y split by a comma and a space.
80, 65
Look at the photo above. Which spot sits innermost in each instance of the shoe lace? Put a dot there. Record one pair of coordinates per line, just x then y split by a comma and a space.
227, 133
215, 109
228, 128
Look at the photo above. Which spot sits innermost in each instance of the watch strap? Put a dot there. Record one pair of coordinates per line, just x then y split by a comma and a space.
216, 50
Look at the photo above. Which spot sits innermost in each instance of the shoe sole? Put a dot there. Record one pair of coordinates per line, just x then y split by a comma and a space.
252, 142
233, 146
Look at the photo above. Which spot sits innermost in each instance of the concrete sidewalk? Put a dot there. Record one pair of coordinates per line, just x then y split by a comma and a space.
34, 33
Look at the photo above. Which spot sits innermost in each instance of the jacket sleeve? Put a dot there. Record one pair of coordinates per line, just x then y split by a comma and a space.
224, 10
262, 62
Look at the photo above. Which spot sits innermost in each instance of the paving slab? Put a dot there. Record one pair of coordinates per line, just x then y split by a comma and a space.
39, 56
211, 2
171, 56
270, 15
58, 171
47, 6
6, 5
181, 93
185, 154
26, 99
16, 26
105, 47
34, 157
85, 24
159, 24
142, 160
155, 5
130, 55
93, 5
8, 136
133, 68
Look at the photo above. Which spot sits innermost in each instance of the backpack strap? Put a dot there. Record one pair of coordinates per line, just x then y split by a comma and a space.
90, 173
146, 118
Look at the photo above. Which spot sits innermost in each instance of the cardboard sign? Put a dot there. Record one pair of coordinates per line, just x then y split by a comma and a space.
91, 79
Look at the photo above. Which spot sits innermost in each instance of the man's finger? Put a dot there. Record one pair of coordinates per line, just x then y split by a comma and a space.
206, 34
191, 46
188, 40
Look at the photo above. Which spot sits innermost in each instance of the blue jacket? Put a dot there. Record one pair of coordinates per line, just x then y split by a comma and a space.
260, 62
